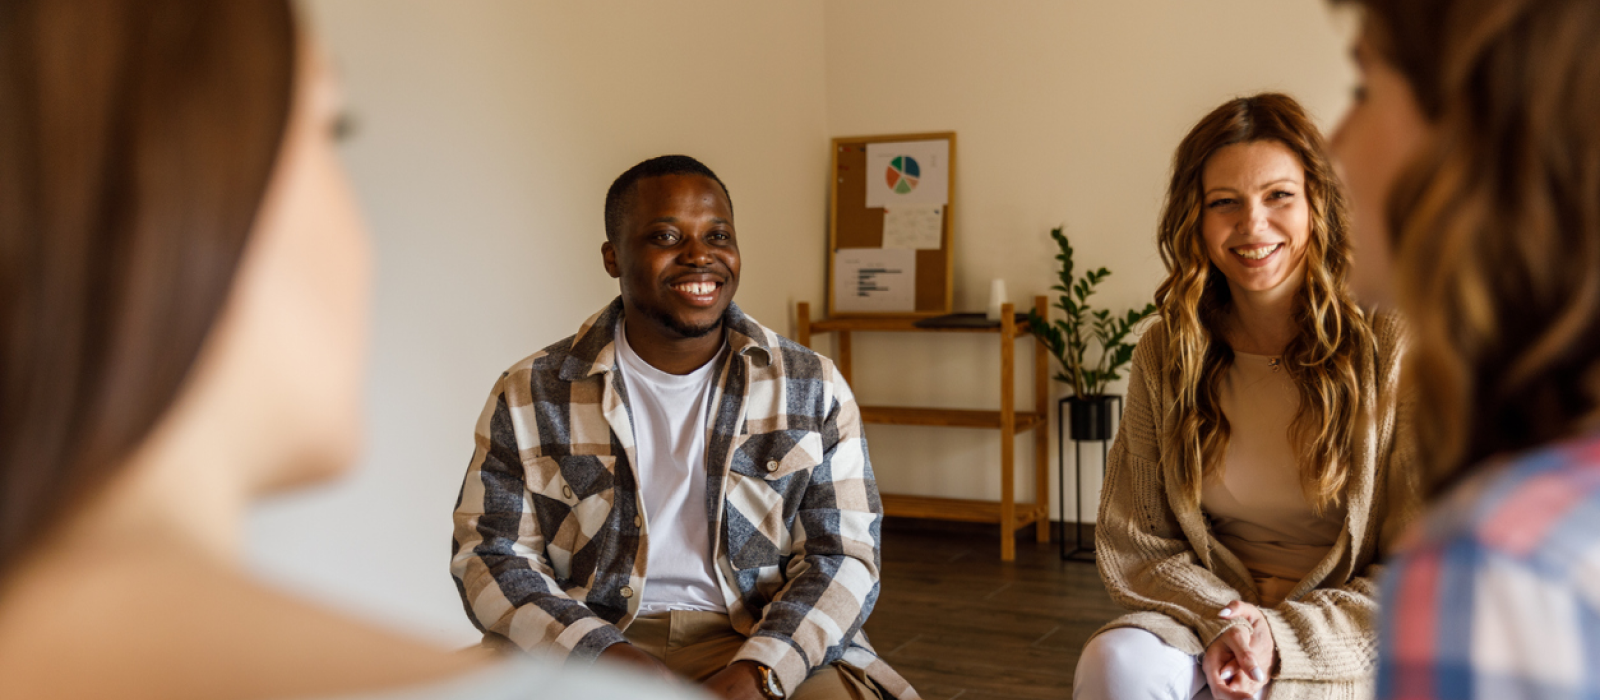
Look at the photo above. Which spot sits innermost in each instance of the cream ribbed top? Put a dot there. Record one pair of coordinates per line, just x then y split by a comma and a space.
1257, 508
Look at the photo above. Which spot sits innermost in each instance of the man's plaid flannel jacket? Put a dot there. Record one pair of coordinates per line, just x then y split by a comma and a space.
550, 549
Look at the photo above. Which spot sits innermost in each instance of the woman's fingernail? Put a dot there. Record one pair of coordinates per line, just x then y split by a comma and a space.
1259, 675
1227, 674
1225, 612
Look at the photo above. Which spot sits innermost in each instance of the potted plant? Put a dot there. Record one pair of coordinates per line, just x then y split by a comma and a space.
1069, 338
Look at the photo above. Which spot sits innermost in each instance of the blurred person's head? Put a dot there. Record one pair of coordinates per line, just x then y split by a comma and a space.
1473, 157
1254, 212
182, 273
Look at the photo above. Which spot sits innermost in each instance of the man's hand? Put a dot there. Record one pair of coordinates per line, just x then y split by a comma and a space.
741, 680
626, 654
1238, 663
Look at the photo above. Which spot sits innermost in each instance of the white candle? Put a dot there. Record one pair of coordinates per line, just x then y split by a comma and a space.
997, 297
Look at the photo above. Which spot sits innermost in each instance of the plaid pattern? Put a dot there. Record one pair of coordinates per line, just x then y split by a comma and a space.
550, 544
1500, 595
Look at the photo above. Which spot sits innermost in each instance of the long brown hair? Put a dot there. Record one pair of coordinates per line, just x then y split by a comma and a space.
1496, 221
1325, 357
136, 143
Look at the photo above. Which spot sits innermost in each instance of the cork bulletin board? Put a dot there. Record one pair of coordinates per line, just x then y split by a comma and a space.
889, 233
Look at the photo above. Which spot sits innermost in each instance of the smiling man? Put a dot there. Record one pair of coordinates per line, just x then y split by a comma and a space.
677, 487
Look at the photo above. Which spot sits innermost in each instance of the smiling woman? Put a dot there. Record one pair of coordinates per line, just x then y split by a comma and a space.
1256, 222
1252, 470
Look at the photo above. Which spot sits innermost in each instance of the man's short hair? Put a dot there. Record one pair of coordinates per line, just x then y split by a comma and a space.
619, 199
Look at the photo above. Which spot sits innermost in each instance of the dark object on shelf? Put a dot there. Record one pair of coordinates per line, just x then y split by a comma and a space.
1094, 415
973, 320
1091, 416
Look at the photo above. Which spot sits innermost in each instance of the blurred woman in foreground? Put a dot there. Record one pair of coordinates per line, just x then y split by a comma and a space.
183, 283
1473, 158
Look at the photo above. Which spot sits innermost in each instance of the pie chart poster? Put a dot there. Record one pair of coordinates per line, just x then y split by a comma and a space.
908, 173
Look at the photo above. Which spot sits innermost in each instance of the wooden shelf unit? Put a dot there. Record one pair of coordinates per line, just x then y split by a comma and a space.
1006, 512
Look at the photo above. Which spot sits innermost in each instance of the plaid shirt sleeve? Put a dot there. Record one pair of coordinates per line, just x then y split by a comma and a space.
499, 560
1499, 597
833, 577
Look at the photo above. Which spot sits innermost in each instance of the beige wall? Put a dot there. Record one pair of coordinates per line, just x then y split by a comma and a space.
489, 130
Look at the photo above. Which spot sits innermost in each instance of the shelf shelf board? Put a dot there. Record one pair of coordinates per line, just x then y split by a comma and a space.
899, 325
958, 509
945, 417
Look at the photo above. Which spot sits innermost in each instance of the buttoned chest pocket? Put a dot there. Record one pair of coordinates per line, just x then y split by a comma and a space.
572, 498
769, 477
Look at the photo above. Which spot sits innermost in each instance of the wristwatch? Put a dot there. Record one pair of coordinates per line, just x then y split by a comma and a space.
771, 687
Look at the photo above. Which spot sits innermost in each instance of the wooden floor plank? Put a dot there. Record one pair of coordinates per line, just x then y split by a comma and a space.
961, 625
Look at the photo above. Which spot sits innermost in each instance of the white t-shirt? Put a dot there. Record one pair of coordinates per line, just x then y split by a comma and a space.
670, 428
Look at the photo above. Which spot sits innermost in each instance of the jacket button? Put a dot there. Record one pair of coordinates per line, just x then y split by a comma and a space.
772, 466
566, 491
638, 521
627, 591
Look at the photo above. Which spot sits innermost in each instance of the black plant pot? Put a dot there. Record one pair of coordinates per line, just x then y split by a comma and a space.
1091, 416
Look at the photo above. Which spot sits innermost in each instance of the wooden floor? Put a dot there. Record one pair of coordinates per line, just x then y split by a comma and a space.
959, 623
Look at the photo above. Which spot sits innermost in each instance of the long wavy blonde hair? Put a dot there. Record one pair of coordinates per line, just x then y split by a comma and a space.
1496, 222
1326, 357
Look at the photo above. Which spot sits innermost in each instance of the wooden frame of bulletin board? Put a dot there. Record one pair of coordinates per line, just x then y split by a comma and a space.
852, 225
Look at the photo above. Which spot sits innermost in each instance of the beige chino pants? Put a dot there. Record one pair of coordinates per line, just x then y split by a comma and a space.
696, 645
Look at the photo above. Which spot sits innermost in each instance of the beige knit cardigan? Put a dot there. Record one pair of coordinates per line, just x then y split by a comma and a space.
1158, 556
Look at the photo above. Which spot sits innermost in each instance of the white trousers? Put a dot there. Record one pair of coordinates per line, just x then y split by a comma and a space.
1129, 663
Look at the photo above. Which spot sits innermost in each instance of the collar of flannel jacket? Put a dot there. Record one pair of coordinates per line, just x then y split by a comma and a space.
595, 352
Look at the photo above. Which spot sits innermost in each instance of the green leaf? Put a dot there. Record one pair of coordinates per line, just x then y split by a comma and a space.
1068, 338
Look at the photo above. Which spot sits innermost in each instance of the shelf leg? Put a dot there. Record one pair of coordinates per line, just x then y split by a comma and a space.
1041, 436
844, 356
802, 323
1008, 433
